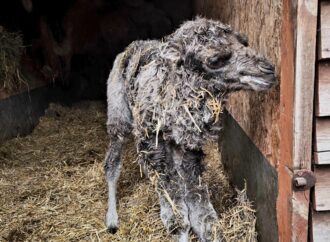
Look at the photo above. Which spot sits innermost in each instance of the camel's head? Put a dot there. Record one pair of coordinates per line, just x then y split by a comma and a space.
219, 53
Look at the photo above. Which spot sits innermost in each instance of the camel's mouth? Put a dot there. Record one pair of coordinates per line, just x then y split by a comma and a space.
259, 83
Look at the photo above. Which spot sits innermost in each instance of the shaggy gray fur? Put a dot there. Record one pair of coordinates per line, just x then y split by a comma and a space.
169, 94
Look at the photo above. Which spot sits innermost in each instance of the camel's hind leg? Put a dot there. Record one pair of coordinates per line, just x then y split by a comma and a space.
119, 124
112, 170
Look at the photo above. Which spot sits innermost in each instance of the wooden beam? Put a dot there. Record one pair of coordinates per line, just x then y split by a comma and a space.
324, 35
284, 206
322, 158
322, 188
322, 135
303, 110
322, 100
320, 227
304, 82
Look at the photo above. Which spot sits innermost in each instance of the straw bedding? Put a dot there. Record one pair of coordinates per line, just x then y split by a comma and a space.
53, 188
11, 49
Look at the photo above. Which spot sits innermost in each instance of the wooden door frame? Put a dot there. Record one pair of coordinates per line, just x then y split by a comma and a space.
298, 50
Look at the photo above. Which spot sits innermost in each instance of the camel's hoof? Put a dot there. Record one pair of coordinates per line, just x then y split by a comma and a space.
112, 229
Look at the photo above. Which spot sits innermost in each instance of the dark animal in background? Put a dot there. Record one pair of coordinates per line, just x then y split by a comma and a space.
170, 93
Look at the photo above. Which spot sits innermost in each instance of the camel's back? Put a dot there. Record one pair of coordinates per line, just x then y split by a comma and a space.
136, 55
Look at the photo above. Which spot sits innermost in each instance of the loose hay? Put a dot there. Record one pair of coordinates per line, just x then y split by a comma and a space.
53, 187
11, 48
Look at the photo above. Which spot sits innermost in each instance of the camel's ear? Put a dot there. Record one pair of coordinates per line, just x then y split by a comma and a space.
191, 62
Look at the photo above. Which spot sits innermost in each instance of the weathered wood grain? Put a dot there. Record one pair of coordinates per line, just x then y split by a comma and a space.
322, 135
269, 119
324, 35
322, 158
303, 110
322, 189
322, 100
320, 226
284, 205
304, 83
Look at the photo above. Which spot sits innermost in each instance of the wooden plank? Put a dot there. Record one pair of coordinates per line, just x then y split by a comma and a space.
303, 110
322, 135
304, 83
322, 188
322, 158
320, 226
322, 101
324, 36
284, 205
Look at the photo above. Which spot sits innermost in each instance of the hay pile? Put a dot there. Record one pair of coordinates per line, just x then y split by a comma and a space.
11, 49
53, 188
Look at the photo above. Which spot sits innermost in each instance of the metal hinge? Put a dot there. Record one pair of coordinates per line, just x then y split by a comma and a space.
303, 180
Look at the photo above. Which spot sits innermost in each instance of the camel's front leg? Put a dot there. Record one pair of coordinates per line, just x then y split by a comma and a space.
170, 188
202, 216
174, 215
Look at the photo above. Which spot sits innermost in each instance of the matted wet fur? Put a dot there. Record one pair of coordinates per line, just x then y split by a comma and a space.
170, 94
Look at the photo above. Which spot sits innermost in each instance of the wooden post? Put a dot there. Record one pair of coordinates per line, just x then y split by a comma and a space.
303, 110
296, 118
284, 210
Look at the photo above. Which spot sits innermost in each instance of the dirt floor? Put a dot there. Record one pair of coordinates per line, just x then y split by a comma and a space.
53, 188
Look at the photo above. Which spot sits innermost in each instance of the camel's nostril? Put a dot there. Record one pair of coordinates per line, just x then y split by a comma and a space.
266, 68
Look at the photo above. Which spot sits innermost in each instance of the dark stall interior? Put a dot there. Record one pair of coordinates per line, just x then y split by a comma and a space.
62, 51
73, 43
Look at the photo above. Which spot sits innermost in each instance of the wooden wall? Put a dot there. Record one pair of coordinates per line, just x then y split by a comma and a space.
321, 195
279, 122
257, 113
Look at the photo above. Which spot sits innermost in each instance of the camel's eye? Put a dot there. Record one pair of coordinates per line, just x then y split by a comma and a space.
218, 60
243, 39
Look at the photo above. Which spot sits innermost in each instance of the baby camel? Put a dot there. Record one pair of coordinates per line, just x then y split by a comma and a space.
169, 93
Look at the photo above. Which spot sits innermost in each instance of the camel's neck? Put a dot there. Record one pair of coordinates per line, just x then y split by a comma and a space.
199, 82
